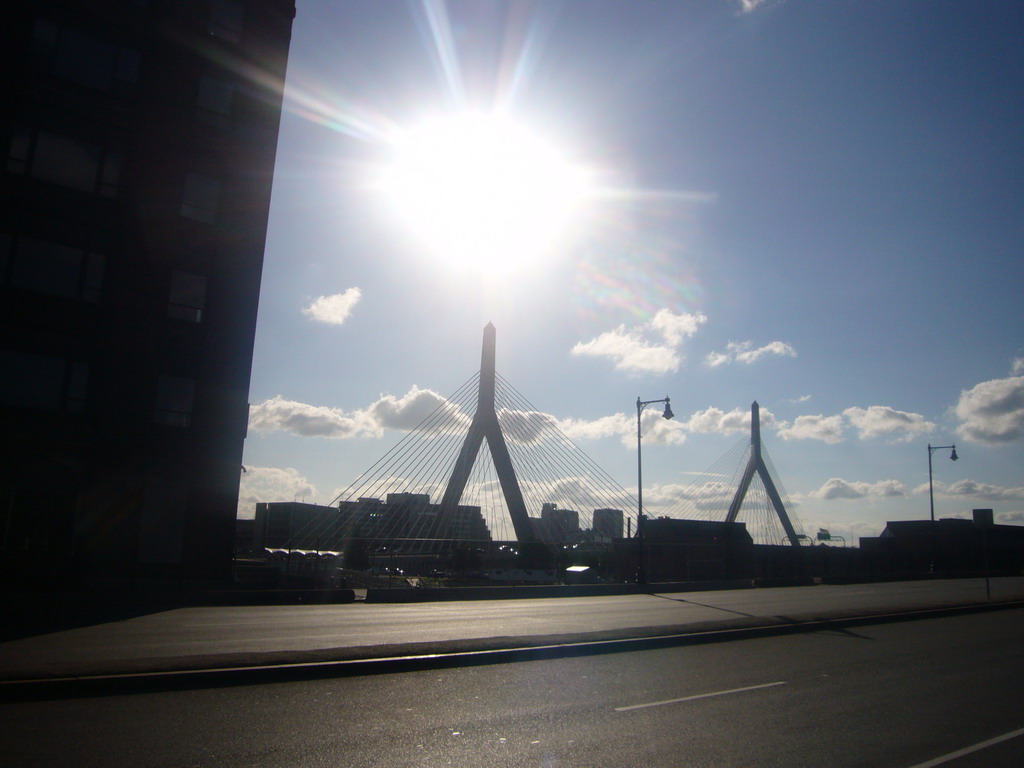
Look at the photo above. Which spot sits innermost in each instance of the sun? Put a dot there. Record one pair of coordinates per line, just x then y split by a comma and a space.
481, 191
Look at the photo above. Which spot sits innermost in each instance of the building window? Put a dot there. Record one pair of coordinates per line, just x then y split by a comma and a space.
201, 198
80, 58
77, 385
226, 19
174, 400
42, 382
64, 160
46, 267
92, 279
187, 297
162, 522
54, 269
215, 95
111, 175
21, 145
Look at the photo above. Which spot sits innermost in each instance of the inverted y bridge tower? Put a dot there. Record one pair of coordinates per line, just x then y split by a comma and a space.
756, 464
485, 424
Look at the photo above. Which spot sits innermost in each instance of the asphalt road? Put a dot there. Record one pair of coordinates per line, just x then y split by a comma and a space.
896, 695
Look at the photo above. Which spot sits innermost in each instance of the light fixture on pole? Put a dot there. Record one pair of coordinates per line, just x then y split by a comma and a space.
952, 457
641, 574
931, 496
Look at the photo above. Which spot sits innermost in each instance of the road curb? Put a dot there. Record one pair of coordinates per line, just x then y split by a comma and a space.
249, 669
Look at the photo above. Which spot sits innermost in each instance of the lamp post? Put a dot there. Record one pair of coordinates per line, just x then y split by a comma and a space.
952, 457
931, 494
641, 574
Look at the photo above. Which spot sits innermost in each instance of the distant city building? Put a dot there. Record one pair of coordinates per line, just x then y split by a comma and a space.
409, 519
608, 523
559, 525
141, 139
295, 525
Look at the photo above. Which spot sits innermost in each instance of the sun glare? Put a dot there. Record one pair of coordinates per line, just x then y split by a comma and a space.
480, 191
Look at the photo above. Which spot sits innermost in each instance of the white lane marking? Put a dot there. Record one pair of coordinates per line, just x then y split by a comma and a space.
699, 696
968, 750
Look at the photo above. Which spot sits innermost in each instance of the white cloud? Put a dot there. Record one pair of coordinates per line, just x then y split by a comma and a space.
882, 421
280, 415
616, 425
676, 328
744, 352
1017, 368
992, 412
716, 421
981, 491
334, 309
748, 6
658, 430
526, 427
828, 429
712, 495
259, 484
388, 412
837, 488
655, 429
649, 348
872, 422
408, 412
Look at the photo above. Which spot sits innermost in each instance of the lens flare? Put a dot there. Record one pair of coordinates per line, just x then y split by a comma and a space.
480, 190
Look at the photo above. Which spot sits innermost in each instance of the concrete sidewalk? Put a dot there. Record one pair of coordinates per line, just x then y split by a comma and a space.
204, 640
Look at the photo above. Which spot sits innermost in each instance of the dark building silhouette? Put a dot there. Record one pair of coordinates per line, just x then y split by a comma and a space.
410, 521
948, 545
406, 520
140, 137
687, 550
296, 525
558, 525
608, 523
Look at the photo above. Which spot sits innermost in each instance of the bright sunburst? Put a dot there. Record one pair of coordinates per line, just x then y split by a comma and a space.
481, 191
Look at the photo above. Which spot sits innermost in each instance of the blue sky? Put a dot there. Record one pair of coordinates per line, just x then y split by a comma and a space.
818, 205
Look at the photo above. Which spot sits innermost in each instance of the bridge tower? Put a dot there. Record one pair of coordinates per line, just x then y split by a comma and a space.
756, 464
485, 424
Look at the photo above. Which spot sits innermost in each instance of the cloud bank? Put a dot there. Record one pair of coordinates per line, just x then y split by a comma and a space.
652, 347
873, 422
881, 421
828, 429
716, 421
837, 488
389, 412
971, 489
280, 415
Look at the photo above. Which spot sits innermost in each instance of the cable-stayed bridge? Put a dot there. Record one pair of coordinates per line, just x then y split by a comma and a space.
487, 465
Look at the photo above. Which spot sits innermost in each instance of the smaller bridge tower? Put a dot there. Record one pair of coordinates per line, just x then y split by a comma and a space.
756, 464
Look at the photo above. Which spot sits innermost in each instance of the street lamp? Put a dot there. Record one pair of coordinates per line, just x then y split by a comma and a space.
952, 457
640, 405
931, 495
